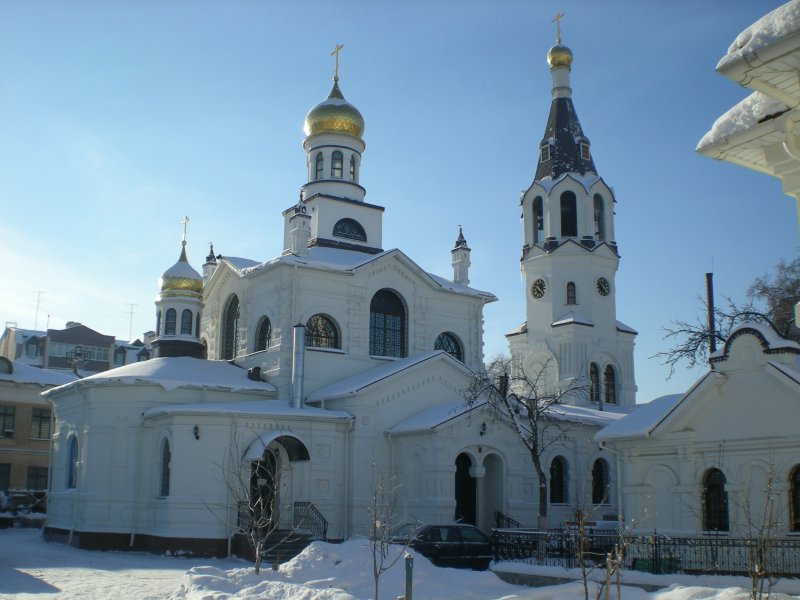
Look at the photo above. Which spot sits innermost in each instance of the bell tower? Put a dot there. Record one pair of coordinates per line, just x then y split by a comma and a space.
569, 262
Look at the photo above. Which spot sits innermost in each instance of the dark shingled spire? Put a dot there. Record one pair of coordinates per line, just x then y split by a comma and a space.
564, 135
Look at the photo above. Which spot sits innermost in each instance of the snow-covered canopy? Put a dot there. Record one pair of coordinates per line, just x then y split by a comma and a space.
770, 28
751, 111
173, 373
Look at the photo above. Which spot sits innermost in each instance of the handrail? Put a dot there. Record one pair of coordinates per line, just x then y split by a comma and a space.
503, 521
307, 516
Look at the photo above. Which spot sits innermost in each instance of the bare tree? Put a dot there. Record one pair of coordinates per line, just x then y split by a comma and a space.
385, 553
526, 402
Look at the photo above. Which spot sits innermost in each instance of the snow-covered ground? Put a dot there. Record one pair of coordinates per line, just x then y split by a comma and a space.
31, 568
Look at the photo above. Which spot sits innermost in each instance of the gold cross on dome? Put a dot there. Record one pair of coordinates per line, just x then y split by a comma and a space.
336, 54
184, 221
557, 21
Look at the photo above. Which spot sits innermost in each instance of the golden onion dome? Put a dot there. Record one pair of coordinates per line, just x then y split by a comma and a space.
181, 277
334, 115
559, 56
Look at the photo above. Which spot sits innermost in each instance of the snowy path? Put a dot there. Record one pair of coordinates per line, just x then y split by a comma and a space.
30, 568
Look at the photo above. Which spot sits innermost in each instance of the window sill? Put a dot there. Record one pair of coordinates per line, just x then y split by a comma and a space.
387, 358
329, 350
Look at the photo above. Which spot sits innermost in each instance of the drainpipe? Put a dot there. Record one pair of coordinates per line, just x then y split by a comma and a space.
298, 354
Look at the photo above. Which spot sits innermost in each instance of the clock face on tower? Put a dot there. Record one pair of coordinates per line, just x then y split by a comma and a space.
603, 287
539, 288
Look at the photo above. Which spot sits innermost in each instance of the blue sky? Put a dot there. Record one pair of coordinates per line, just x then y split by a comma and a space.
117, 118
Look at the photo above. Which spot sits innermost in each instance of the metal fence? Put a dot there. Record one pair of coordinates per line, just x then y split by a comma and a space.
706, 554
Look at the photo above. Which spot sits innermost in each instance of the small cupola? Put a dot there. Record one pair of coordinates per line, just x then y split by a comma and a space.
461, 259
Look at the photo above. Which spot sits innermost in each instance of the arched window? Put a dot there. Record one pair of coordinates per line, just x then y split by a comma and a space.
715, 501
387, 325
350, 229
197, 325
186, 322
336, 165
794, 499
230, 328
263, 334
158, 323
450, 344
599, 218
538, 220
569, 215
170, 322
601, 490
558, 481
594, 383
352, 167
318, 170
72, 463
321, 332
571, 293
610, 385
166, 458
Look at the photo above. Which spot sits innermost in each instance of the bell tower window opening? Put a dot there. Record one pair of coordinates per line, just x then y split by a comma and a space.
387, 325
322, 332
599, 218
538, 220
170, 322
610, 381
585, 150
350, 229
158, 323
569, 215
545, 152
336, 165
186, 322
450, 344
571, 297
230, 329
352, 167
594, 383
197, 325
318, 167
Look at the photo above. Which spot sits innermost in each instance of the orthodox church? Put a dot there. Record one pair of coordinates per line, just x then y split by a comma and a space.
343, 363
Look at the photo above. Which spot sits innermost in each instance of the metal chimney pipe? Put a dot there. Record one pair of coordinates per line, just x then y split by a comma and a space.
298, 356
712, 322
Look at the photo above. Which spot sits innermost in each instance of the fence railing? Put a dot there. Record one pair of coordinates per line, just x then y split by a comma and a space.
503, 521
306, 516
704, 554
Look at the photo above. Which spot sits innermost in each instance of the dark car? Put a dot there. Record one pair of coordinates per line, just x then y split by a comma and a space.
448, 545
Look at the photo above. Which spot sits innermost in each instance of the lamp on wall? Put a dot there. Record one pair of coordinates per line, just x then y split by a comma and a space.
196, 432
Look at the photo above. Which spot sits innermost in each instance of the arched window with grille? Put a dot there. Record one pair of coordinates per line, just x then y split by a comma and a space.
322, 332
230, 328
794, 499
336, 165
569, 215
186, 322
715, 501
350, 229
72, 462
599, 218
263, 334
387, 325
610, 385
318, 166
558, 481
594, 383
166, 459
170, 322
538, 220
352, 167
449, 343
601, 490
571, 297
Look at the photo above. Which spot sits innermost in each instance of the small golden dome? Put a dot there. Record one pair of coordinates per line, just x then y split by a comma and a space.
181, 277
559, 56
334, 115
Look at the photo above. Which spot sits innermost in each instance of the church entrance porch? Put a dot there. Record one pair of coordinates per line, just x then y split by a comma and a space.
478, 488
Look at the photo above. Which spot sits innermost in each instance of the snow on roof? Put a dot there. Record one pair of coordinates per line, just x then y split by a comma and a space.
351, 386
174, 373
779, 23
182, 269
749, 112
43, 377
625, 328
280, 408
587, 180
571, 317
585, 415
241, 264
769, 335
519, 329
20, 335
430, 418
640, 422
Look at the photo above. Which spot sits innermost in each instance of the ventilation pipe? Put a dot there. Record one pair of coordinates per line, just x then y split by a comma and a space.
712, 329
298, 356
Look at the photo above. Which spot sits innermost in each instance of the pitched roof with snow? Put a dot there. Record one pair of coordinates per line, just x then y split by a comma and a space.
436, 416
23, 373
641, 422
174, 373
769, 338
